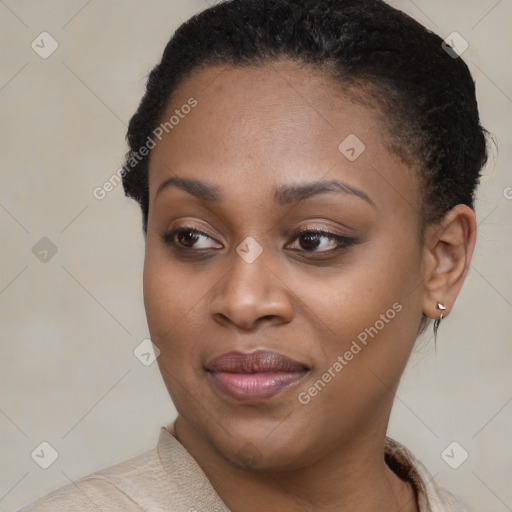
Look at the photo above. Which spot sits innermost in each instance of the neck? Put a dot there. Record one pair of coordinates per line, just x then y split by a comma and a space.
353, 477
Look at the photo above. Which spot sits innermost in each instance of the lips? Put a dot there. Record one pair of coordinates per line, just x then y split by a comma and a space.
256, 376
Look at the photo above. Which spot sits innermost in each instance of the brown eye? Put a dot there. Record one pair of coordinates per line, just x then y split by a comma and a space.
310, 241
189, 238
319, 241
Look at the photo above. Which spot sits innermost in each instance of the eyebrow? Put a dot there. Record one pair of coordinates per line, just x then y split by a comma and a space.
283, 195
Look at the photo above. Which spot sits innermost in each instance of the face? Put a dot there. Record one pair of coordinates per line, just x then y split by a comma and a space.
283, 263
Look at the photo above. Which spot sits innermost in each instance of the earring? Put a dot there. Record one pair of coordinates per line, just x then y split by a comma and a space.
437, 321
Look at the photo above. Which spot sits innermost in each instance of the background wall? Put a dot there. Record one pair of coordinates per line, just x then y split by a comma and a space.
71, 265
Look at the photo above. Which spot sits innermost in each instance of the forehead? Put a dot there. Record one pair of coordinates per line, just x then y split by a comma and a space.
279, 107
275, 123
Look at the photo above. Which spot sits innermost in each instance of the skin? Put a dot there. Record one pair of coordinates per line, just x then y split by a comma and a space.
253, 130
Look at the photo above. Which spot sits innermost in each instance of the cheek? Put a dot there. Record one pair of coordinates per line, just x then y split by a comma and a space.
172, 299
367, 314
353, 297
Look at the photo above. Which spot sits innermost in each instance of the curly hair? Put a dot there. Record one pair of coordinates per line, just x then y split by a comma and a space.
425, 93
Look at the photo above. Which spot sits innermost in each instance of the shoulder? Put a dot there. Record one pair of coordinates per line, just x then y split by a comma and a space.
431, 496
114, 488
439, 497
86, 495
166, 478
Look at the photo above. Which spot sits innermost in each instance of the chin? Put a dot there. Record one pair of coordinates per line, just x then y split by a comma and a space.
263, 447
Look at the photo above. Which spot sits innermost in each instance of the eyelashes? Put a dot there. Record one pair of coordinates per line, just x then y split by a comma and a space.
188, 236
314, 237
313, 241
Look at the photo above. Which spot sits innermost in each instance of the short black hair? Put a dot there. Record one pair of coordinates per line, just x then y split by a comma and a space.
426, 92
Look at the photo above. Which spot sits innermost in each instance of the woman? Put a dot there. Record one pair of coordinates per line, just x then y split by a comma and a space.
306, 171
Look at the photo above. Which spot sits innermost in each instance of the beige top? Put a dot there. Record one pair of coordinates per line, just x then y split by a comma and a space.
167, 478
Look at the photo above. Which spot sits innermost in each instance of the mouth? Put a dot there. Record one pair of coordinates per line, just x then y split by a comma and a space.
256, 376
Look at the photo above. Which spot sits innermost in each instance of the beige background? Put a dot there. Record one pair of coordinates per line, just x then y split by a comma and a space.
69, 326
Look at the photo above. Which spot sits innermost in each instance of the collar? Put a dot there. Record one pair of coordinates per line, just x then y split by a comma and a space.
183, 468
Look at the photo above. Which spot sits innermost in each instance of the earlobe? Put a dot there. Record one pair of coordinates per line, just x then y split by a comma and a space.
449, 247
437, 321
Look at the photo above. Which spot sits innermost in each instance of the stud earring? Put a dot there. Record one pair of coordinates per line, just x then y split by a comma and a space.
437, 321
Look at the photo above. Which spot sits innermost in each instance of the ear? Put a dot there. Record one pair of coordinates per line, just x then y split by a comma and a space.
448, 250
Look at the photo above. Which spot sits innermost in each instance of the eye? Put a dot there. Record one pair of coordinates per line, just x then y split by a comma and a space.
310, 240
319, 241
187, 238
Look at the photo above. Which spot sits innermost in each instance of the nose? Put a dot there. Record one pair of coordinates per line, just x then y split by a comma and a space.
251, 294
